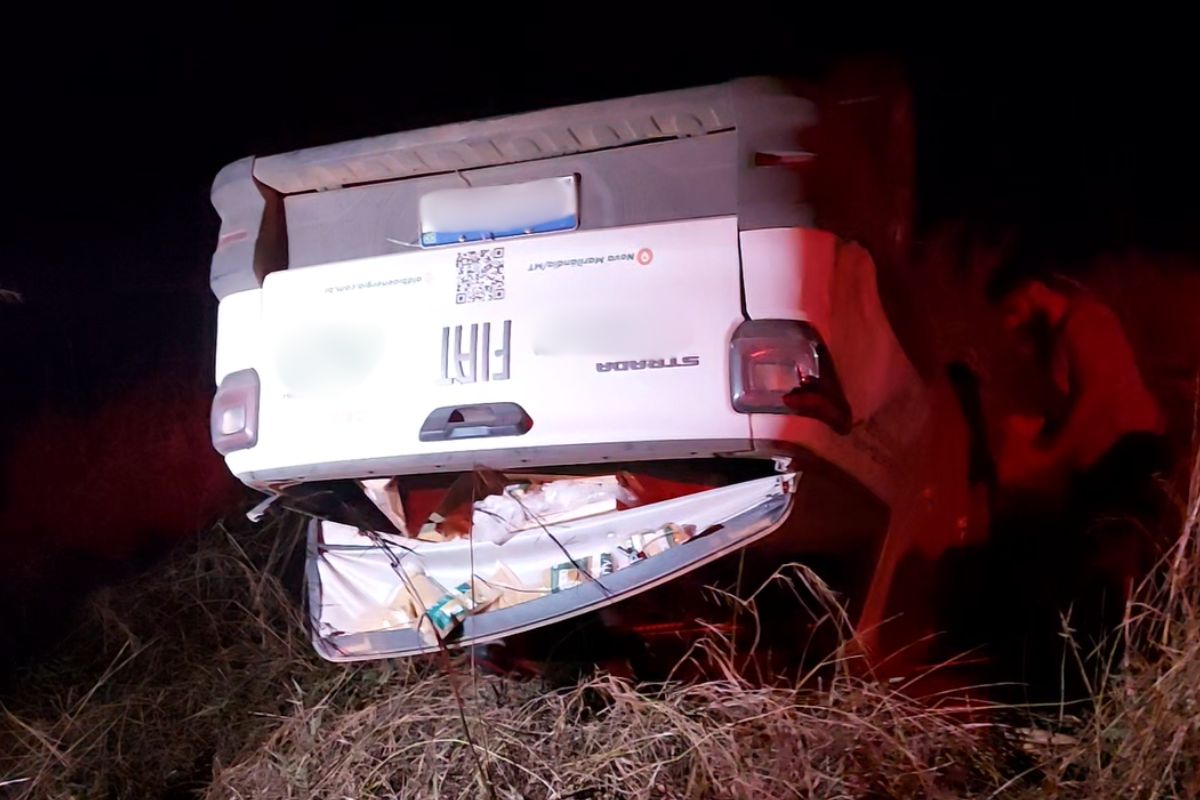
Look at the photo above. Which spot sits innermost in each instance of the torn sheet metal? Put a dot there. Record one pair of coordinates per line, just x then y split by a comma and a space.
353, 582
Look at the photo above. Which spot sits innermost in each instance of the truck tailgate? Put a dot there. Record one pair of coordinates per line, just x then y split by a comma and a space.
591, 338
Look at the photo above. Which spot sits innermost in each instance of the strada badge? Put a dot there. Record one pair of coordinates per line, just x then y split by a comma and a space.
648, 363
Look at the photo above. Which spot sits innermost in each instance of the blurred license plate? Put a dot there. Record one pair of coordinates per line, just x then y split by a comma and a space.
453, 216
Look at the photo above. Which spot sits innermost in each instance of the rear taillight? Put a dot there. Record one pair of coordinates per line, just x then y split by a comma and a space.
234, 419
780, 366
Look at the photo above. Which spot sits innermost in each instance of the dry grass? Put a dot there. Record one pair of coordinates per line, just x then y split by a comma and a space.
1143, 738
198, 681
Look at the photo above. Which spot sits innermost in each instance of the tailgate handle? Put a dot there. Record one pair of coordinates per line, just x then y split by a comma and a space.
476, 421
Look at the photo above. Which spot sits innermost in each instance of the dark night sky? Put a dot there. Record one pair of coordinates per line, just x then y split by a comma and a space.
110, 230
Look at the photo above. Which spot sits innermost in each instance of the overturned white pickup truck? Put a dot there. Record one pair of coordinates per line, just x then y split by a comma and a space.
522, 368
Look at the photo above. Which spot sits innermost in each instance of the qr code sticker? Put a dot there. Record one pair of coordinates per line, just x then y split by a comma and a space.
480, 275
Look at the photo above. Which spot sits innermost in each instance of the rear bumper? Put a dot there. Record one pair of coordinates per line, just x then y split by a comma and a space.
641, 160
